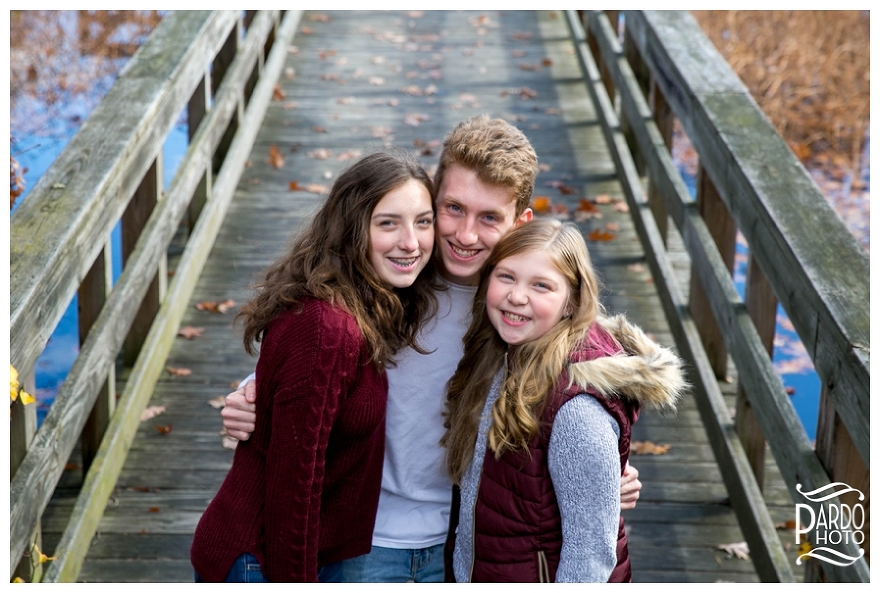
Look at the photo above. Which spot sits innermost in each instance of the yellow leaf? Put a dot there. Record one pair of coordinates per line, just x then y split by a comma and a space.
804, 548
541, 204
648, 448
15, 389
18, 580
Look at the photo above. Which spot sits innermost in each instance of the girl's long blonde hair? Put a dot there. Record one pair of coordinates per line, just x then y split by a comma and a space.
534, 367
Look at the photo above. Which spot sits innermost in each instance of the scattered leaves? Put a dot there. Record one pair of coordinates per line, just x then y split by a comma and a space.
647, 448
178, 371
736, 550
151, 412
189, 332
275, 158
216, 306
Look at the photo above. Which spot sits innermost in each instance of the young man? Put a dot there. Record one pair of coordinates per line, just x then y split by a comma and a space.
484, 183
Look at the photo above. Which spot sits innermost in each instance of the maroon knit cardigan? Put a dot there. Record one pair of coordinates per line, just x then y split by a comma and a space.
303, 491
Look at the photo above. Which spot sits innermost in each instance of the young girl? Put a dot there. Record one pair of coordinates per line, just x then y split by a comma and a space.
539, 416
353, 289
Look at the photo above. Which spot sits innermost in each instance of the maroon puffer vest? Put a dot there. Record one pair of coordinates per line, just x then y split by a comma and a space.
518, 536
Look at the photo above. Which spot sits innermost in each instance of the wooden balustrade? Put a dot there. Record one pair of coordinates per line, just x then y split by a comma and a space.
218, 67
748, 181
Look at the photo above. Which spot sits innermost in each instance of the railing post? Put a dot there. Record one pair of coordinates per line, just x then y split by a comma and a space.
842, 461
93, 293
643, 77
133, 221
196, 110
23, 427
723, 229
665, 120
220, 66
761, 303
604, 72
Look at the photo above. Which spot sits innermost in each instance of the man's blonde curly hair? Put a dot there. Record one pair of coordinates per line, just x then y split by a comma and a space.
499, 153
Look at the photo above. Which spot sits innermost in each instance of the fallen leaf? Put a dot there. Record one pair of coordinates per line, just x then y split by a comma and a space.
612, 226
178, 371
603, 199
153, 510
215, 306
789, 390
377, 80
162, 429
804, 547
320, 154
319, 129
790, 524
600, 235
218, 402
541, 204
415, 119
189, 332
518, 53
151, 412
647, 448
320, 17
306, 30
521, 36
620, 207
529, 66
585, 205
345, 100
317, 188
547, 62
278, 94
636, 268
544, 167
737, 550
275, 158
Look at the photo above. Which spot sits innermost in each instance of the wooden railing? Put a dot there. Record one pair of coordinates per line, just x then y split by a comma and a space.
218, 68
800, 253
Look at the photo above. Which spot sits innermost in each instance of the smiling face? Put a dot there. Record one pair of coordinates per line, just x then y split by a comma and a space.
472, 216
527, 295
402, 234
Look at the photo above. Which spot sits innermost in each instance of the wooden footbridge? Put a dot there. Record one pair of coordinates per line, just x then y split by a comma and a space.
277, 103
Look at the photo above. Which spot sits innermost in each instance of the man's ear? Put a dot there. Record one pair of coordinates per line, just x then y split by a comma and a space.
524, 217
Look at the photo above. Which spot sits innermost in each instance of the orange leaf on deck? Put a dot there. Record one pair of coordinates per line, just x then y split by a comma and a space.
189, 332
278, 94
585, 205
275, 158
541, 204
600, 235
647, 448
162, 429
178, 371
153, 509
215, 306
603, 199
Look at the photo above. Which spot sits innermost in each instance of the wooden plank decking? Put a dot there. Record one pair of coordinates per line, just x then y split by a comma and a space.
354, 81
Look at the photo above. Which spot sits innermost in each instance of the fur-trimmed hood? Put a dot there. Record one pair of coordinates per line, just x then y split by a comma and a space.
644, 372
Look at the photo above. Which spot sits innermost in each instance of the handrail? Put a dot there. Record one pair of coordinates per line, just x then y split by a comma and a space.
64, 224
692, 99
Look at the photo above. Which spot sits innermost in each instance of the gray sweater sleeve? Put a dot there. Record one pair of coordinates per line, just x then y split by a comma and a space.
585, 468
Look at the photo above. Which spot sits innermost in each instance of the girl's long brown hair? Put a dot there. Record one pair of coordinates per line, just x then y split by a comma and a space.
534, 367
330, 261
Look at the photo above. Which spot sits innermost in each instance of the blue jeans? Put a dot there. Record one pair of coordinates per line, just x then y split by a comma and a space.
246, 569
393, 565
